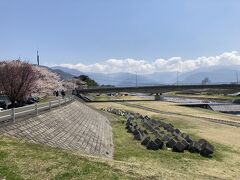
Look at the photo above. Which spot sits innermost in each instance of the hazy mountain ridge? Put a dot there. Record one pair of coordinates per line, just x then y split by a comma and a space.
61, 73
73, 72
215, 74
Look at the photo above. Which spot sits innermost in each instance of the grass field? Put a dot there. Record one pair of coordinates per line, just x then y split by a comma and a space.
219, 97
23, 160
112, 98
203, 95
182, 110
164, 163
225, 163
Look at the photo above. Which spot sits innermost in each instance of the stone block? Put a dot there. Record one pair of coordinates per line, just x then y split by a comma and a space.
178, 147
152, 145
145, 141
170, 129
130, 129
159, 142
130, 118
188, 139
178, 137
138, 137
202, 141
147, 117
194, 147
140, 130
166, 138
128, 125
165, 125
175, 134
145, 131
135, 132
171, 143
177, 131
183, 135
206, 149
185, 143
160, 135
135, 126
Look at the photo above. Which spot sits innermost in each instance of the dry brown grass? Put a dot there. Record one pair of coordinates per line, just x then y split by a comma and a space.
224, 134
197, 112
201, 96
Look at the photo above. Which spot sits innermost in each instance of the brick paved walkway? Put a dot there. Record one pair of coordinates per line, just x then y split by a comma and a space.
74, 126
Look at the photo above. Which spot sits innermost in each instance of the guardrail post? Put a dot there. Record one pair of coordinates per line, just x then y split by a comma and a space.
36, 108
59, 102
13, 114
50, 105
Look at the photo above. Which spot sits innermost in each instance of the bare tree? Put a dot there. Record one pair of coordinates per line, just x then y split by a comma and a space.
205, 81
17, 79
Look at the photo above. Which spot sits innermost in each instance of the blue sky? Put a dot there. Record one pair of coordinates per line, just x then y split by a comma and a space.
93, 31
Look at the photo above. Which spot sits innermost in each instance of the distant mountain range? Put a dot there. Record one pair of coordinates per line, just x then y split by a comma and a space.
215, 74
73, 72
62, 74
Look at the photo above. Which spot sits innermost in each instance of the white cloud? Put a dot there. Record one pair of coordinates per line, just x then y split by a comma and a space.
159, 65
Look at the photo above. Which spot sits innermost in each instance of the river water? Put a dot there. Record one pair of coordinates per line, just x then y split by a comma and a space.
174, 99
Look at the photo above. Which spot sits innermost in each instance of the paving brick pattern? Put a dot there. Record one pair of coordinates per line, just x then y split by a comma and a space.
74, 126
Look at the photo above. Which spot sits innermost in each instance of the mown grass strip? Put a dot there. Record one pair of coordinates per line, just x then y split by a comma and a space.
23, 160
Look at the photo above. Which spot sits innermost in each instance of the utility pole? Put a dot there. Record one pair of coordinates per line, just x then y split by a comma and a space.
37, 59
177, 78
237, 76
136, 80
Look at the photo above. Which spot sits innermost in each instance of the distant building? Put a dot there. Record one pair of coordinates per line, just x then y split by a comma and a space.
124, 93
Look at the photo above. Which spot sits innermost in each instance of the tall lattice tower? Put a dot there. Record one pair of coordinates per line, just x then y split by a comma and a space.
37, 59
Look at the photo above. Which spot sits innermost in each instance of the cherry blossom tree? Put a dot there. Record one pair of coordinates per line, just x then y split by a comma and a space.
47, 82
19, 79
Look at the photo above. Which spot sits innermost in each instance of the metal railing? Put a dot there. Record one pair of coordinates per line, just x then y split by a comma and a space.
33, 109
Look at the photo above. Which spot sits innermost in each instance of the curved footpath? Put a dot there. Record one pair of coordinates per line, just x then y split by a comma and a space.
74, 126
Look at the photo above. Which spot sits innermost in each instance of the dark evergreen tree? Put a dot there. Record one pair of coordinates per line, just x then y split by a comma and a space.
90, 82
